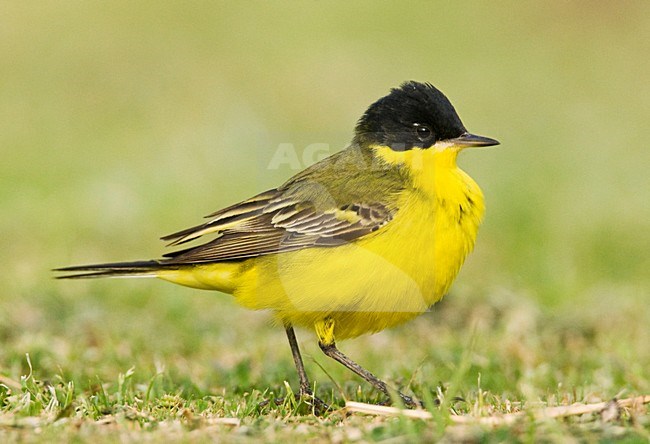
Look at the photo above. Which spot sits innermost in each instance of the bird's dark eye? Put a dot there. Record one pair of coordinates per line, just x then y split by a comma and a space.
423, 132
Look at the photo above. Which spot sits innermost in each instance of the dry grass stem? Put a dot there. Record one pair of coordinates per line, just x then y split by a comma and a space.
505, 419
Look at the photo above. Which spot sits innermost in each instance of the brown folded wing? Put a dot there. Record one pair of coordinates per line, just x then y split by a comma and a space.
274, 222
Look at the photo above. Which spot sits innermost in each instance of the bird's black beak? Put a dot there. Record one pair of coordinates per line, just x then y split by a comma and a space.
467, 140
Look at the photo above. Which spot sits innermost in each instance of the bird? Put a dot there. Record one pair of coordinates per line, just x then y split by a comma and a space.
363, 240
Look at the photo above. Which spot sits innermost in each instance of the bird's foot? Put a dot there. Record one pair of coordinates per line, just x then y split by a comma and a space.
316, 405
410, 402
407, 401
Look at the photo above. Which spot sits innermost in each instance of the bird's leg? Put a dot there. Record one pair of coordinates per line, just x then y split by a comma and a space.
305, 387
325, 332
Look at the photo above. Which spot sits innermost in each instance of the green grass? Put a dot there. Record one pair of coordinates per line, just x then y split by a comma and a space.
181, 380
120, 123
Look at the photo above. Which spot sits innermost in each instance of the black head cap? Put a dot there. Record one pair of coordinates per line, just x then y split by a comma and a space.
413, 115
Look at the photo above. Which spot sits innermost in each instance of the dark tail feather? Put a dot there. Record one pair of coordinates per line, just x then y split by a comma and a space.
133, 269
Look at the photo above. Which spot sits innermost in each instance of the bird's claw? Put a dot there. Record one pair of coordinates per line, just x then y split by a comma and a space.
317, 406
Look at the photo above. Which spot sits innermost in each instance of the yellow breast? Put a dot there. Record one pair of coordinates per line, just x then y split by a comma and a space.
438, 220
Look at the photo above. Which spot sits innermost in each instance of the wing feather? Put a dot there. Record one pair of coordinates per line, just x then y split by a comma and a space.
327, 204
279, 227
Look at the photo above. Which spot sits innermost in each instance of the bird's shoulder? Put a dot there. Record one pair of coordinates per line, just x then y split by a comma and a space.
348, 177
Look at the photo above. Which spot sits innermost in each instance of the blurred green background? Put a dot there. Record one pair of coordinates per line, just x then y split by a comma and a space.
123, 121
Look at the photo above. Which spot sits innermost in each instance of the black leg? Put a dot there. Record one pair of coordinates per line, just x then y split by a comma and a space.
325, 332
334, 353
305, 388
